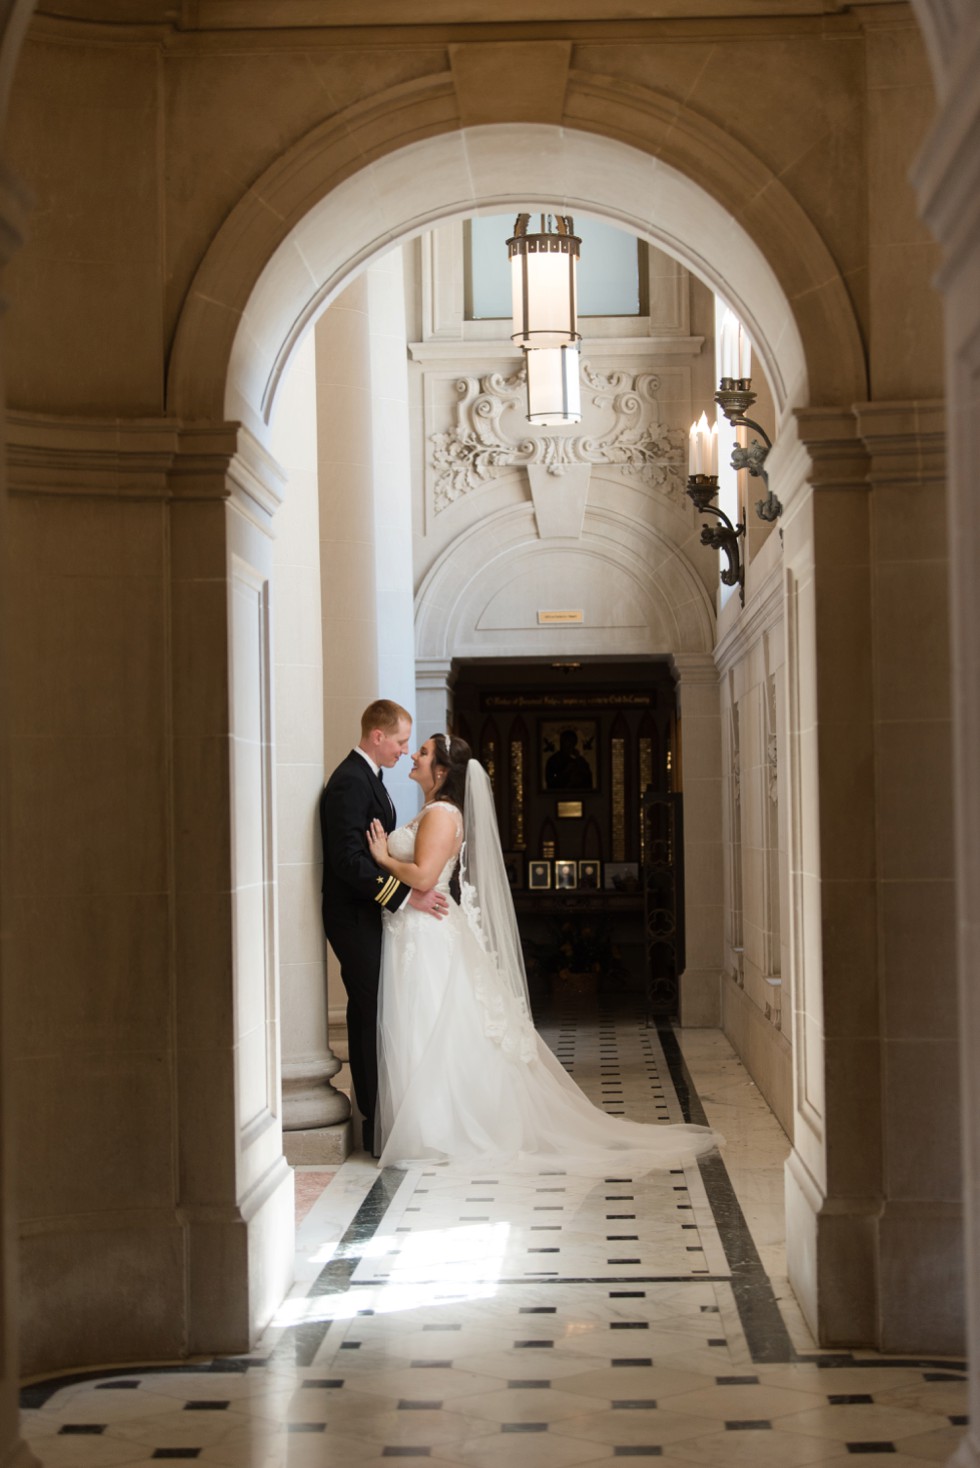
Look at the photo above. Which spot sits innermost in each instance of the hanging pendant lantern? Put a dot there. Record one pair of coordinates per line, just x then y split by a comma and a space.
553, 395
543, 268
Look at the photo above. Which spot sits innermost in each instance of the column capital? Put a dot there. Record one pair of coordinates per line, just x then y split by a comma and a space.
694, 667
905, 440
838, 457
141, 458
434, 673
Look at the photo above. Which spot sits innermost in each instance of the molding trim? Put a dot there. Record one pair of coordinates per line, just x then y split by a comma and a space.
141, 458
906, 440
446, 350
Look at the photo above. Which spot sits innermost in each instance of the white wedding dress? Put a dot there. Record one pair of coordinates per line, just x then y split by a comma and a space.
463, 1075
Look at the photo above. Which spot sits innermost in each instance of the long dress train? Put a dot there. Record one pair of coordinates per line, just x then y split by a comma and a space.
463, 1074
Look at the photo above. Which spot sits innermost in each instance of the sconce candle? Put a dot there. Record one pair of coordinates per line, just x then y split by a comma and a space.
703, 448
736, 360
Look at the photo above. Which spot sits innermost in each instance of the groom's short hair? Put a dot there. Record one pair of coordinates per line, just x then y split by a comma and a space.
383, 714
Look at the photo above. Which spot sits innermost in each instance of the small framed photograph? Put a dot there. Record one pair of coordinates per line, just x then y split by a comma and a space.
589, 876
514, 867
622, 876
539, 876
566, 875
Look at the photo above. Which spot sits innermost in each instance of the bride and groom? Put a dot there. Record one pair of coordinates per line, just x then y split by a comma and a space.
445, 1061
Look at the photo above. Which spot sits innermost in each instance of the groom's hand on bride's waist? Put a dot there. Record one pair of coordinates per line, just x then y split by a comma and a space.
432, 902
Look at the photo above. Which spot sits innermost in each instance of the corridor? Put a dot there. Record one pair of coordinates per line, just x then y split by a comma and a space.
483, 1319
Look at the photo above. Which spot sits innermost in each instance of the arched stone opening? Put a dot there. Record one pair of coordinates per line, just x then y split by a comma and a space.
281, 260
205, 343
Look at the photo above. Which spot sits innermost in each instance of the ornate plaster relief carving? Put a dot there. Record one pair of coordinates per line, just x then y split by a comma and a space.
621, 422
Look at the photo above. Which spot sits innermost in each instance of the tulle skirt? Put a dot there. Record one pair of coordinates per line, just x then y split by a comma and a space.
455, 1087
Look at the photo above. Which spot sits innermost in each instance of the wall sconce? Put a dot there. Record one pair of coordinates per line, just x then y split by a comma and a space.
733, 397
702, 486
543, 284
553, 393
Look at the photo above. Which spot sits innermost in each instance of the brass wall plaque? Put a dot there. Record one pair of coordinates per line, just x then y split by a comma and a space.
569, 810
549, 619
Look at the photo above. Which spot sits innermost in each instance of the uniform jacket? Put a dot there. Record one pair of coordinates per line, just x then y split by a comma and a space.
353, 886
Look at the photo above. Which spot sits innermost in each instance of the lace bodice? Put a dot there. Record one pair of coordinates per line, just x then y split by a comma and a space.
401, 842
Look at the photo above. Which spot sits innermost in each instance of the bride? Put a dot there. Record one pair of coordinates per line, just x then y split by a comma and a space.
463, 1074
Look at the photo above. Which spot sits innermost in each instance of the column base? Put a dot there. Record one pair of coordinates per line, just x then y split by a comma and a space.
309, 1101
240, 1264
700, 999
923, 1293
326, 1144
831, 1255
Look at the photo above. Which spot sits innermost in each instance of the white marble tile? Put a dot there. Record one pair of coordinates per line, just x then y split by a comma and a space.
433, 1263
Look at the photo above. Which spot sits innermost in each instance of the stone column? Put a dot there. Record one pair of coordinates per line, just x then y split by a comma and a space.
434, 679
348, 595
833, 1176
146, 1074
872, 1211
947, 184
315, 1115
391, 459
699, 728
234, 1199
12, 1449
919, 1231
363, 457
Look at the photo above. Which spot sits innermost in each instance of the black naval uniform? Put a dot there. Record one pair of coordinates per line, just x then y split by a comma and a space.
355, 891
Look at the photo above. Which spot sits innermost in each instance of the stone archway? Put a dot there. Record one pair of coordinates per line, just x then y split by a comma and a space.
296, 238
430, 108
321, 214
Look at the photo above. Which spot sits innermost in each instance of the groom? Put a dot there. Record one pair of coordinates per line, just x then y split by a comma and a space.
355, 891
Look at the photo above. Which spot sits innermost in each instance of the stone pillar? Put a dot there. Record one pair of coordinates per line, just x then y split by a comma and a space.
146, 1073
699, 729
833, 1187
391, 459
235, 1203
872, 1211
949, 196
315, 1115
920, 1240
13, 1450
363, 457
434, 679
348, 592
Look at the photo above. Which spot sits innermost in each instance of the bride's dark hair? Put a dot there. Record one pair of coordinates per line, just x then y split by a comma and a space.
452, 755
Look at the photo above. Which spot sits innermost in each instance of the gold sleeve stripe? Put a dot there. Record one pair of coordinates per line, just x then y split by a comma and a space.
387, 891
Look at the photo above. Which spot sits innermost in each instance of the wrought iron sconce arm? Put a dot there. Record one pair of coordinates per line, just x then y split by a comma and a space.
734, 397
702, 489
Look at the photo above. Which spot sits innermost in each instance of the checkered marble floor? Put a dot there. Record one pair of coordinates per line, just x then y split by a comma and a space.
477, 1319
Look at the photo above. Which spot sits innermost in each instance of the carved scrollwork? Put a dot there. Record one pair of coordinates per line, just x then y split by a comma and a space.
491, 433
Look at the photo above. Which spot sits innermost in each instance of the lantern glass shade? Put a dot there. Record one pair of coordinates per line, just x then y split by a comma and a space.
553, 395
543, 287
